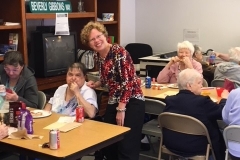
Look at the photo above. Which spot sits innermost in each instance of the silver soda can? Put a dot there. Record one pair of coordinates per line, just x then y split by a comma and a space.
53, 139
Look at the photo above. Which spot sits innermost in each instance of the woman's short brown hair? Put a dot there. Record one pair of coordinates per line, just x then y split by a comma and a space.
13, 58
79, 66
88, 28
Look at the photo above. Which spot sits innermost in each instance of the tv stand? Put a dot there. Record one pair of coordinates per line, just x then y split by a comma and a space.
50, 82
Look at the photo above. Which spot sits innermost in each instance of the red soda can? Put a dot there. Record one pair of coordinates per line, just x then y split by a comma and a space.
53, 139
80, 114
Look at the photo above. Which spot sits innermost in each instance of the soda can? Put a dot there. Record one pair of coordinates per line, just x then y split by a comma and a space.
148, 82
53, 139
80, 114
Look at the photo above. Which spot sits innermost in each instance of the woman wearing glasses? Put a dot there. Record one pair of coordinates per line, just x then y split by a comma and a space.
19, 80
126, 102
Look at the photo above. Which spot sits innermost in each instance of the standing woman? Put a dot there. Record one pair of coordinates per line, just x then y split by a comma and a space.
126, 105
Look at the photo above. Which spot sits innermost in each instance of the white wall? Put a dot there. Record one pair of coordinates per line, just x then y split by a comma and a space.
127, 22
160, 23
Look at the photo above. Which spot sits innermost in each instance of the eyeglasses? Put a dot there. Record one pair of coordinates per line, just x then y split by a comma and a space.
96, 38
15, 70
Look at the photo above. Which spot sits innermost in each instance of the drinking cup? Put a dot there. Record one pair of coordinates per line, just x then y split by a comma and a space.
4, 116
219, 91
2, 90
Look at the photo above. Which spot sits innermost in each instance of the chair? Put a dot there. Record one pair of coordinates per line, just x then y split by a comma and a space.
205, 83
153, 107
217, 83
138, 50
236, 83
41, 99
224, 83
231, 133
177, 123
99, 93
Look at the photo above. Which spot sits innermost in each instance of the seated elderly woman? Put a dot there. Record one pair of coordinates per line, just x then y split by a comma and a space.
68, 96
230, 114
178, 63
197, 55
189, 102
231, 68
208, 70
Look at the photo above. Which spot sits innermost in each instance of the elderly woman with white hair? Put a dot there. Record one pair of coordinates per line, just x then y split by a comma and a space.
178, 63
189, 102
231, 68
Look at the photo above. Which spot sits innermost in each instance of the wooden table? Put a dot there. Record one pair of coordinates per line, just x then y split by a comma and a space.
87, 138
154, 93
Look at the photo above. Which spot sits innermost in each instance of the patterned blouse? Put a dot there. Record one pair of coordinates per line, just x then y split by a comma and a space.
117, 72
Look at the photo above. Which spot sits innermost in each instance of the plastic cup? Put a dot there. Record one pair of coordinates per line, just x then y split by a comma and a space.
219, 91
205, 93
4, 117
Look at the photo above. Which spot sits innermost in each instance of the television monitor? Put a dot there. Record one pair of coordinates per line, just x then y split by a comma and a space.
50, 55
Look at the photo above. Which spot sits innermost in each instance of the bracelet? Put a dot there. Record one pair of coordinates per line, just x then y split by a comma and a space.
121, 110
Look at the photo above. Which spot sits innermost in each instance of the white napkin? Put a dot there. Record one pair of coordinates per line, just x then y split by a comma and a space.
64, 124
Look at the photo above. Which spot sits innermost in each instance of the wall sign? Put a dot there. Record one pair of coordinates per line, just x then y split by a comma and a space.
50, 6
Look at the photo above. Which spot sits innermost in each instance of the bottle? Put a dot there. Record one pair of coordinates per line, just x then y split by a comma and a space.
154, 83
80, 6
25, 120
212, 58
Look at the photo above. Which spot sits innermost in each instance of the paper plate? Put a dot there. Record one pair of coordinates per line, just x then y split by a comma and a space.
175, 86
40, 113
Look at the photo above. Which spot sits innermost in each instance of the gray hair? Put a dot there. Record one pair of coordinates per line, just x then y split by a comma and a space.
187, 45
187, 76
234, 53
196, 50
